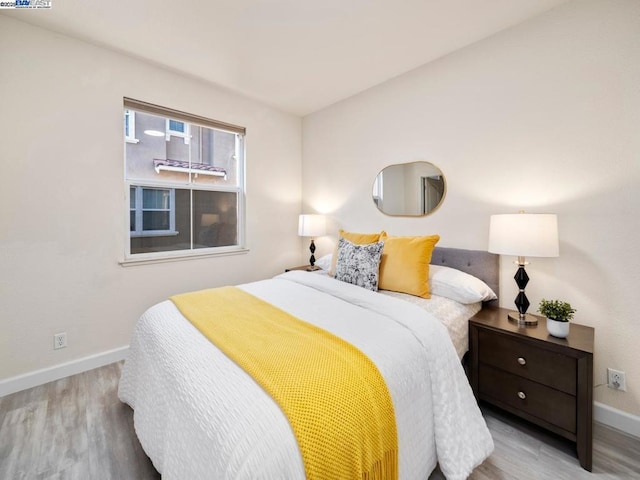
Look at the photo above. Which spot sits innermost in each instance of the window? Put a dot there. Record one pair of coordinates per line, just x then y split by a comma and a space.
130, 126
177, 128
185, 184
152, 211
378, 190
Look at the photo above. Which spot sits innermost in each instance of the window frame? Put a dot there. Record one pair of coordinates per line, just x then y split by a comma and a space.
239, 188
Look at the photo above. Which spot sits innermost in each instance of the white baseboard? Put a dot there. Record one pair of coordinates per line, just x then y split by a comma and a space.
46, 375
617, 419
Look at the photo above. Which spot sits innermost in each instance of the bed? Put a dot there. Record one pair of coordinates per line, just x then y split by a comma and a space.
198, 415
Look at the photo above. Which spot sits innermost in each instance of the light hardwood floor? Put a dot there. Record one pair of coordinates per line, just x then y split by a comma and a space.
76, 428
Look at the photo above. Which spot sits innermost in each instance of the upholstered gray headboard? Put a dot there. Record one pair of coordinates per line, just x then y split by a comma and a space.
483, 265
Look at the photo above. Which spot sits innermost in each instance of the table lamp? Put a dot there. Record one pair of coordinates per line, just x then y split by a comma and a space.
312, 226
523, 235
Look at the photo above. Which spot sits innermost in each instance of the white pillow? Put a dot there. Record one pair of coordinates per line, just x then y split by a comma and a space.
459, 286
324, 262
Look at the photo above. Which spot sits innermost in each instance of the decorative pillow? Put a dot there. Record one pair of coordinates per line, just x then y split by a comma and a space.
359, 264
459, 286
358, 239
405, 264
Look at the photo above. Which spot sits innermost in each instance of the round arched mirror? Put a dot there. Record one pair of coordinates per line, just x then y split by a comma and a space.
409, 189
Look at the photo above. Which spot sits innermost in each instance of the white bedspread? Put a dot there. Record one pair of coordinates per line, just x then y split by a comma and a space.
453, 315
199, 416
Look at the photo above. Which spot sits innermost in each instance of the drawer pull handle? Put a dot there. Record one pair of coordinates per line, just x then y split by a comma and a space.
522, 395
522, 361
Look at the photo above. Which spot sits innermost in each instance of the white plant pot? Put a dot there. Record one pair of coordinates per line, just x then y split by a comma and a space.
557, 329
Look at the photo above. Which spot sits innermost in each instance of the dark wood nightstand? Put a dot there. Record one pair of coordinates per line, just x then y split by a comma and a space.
307, 268
529, 373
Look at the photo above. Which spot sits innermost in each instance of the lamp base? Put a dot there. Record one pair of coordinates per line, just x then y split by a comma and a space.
312, 258
523, 320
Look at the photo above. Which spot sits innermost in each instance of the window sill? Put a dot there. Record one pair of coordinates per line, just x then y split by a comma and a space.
151, 233
132, 140
151, 258
186, 137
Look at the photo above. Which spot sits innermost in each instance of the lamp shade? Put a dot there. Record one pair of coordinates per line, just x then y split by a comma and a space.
312, 225
208, 219
524, 235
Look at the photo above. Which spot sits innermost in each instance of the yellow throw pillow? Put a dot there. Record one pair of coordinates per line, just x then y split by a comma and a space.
405, 264
356, 238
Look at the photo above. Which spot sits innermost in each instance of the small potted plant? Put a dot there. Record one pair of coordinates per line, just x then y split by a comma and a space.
558, 314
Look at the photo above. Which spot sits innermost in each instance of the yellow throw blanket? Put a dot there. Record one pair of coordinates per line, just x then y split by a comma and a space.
336, 400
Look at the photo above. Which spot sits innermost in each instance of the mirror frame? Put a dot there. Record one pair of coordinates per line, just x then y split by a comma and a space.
433, 210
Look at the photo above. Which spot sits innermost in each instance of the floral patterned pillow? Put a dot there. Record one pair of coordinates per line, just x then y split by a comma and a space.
359, 264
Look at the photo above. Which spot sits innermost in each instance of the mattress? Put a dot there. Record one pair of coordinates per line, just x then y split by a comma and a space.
453, 315
198, 415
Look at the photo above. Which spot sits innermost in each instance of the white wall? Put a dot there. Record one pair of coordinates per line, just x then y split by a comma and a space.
542, 117
62, 210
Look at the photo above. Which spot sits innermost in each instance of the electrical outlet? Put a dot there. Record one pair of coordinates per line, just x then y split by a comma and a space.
59, 340
616, 380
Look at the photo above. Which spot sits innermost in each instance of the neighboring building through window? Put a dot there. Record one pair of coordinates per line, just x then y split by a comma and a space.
179, 129
185, 183
152, 211
130, 126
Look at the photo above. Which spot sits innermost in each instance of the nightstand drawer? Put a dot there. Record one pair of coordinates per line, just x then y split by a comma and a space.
525, 360
545, 403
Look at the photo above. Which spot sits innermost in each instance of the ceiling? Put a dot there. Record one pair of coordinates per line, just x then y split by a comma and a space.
296, 55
